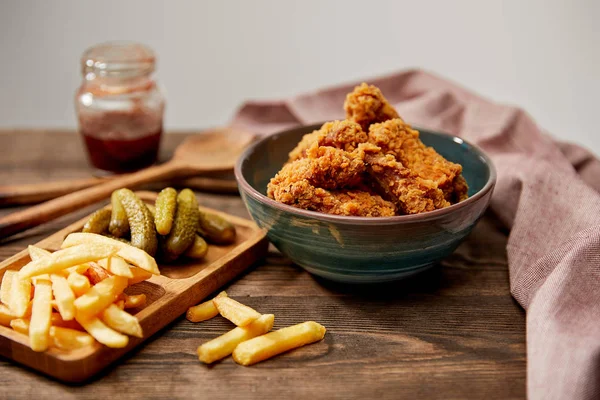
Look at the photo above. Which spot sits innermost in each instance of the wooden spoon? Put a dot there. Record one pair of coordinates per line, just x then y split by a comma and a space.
212, 151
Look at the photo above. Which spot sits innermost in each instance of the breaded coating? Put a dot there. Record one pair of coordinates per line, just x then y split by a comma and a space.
397, 138
366, 105
408, 191
346, 135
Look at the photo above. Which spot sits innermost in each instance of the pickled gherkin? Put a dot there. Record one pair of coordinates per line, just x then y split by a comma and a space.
198, 249
119, 224
185, 223
165, 206
141, 223
215, 228
98, 222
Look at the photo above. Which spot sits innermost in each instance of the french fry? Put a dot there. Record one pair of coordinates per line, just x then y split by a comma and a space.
273, 343
35, 253
20, 325
20, 294
65, 298
66, 258
116, 266
121, 321
6, 285
120, 304
224, 345
6, 315
69, 339
139, 275
103, 333
203, 311
80, 269
78, 283
236, 312
40, 316
99, 296
134, 300
56, 320
131, 254
96, 273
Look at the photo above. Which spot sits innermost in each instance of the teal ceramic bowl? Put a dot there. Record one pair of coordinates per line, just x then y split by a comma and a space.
357, 249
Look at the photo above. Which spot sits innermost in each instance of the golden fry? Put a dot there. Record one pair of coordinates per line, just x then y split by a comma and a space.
66, 258
99, 296
103, 333
203, 311
121, 321
78, 283
96, 273
6, 285
41, 314
277, 342
35, 253
80, 269
69, 339
120, 304
134, 300
20, 325
6, 315
65, 298
131, 254
224, 345
139, 275
236, 312
20, 294
116, 266
56, 320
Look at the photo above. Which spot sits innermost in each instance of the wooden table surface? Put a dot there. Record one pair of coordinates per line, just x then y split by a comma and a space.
453, 332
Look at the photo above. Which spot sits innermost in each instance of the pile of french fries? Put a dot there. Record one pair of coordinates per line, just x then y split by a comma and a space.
250, 342
75, 296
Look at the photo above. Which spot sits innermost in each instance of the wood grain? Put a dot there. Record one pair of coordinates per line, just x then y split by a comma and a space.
453, 332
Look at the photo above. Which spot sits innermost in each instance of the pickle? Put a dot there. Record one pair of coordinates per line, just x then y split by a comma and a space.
215, 228
198, 249
165, 205
108, 235
184, 227
98, 222
119, 224
141, 223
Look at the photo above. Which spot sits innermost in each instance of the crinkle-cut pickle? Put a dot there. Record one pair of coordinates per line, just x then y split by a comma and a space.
183, 232
119, 224
165, 205
98, 222
215, 228
198, 249
141, 223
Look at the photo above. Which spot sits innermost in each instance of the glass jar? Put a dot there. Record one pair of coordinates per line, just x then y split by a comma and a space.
119, 107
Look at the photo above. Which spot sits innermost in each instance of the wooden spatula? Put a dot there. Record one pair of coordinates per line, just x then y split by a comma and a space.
212, 151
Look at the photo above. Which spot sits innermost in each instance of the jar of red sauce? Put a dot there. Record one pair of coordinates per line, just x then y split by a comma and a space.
119, 107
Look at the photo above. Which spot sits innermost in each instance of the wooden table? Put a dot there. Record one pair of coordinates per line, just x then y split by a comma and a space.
452, 332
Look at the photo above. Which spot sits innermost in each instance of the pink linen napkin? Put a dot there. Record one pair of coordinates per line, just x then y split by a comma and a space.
548, 195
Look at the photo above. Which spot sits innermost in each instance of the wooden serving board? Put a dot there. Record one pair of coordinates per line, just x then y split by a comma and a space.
179, 286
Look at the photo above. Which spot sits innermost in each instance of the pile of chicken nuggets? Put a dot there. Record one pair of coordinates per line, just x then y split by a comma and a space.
372, 164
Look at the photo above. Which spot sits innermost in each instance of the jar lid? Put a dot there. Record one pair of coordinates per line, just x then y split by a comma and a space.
114, 59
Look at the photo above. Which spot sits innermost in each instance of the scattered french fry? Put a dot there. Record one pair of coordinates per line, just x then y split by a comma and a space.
238, 313
20, 294
80, 269
224, 345
6, 285
99, 296
20, 325
120, 304
78, 283
203, 311
65, 298
131, 254
103, 333
57, 320
273, 343
66, 258
134, 300
96, 273
139, 275
116, 266
69, 339
121, 321
6, 315
40, 316
35, 253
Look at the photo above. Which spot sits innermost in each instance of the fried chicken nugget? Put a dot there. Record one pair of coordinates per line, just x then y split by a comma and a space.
366, 105
397, 138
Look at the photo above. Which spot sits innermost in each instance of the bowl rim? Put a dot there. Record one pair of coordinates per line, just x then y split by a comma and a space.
251, 191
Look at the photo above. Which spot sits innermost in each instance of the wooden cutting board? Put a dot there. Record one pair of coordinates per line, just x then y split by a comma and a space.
168, 296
